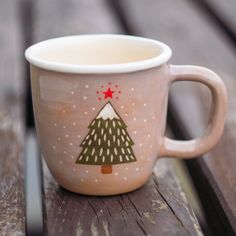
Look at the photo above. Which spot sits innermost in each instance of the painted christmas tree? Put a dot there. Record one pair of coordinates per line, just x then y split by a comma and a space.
108, 142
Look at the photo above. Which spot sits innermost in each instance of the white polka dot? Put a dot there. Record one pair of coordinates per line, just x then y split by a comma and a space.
72, 157
54, 147
150, 146
137, 169
78, 136
141, 157
126, 114
63, 111
85, 112
132, 89
61, 162
55, 124
122, 107
63, 126
86, 171
72, 92
144, 104
84, 97
126, 168
71, 144
134, 118
140, 145
74, 169
74, 106
115, 173
125, 178
82, 180
144, 120
135, 132
74, 124
65, 152
133, 104
86, 86
153, 117
96, 180
149, 135
67, 135
59, 139
93, 108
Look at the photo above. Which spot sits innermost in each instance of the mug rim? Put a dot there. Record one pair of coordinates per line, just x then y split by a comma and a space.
144, 64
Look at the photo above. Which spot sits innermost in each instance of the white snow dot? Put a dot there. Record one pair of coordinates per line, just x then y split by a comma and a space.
54, 147
149, 135
59, 139
65, 152
63, 126
82, 180
125, 178
78, 136
67, 135
140, 145
85, 112
144, 120
74, 169
61, 162
74, 106
133, 104
134, 118
126, 168
137, 169
84, 97
55, 124
122, 107
132, 89
93, 108
74, 124
115, 173
96, 180
135, 132
72, 92
86, 171
71, 144
86, 86
145, 104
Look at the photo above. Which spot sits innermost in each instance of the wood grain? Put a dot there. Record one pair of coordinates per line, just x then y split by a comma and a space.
159, 208
12, 213
197, 41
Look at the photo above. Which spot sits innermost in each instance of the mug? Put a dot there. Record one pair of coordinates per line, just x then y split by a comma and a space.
100, 104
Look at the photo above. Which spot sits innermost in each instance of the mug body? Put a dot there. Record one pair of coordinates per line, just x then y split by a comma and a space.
100, 131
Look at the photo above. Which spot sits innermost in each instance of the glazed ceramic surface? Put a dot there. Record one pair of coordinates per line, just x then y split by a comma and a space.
101, 120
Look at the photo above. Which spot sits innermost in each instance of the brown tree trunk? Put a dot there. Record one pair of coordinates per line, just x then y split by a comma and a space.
106, 169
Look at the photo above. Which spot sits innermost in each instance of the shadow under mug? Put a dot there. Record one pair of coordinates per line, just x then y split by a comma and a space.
100, 104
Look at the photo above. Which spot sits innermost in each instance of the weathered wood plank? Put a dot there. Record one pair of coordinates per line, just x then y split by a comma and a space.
12, 213
225, 12
196, 41
158, 208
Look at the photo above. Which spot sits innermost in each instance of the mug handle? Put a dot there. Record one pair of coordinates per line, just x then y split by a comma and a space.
199, 146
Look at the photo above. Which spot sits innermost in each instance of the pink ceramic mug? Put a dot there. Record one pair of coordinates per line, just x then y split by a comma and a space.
100, 105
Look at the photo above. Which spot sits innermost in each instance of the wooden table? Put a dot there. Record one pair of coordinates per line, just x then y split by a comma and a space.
199, 32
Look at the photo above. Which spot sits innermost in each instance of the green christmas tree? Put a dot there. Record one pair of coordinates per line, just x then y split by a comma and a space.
108, 142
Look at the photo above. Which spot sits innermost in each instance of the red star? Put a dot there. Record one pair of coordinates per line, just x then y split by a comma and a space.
108, 93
